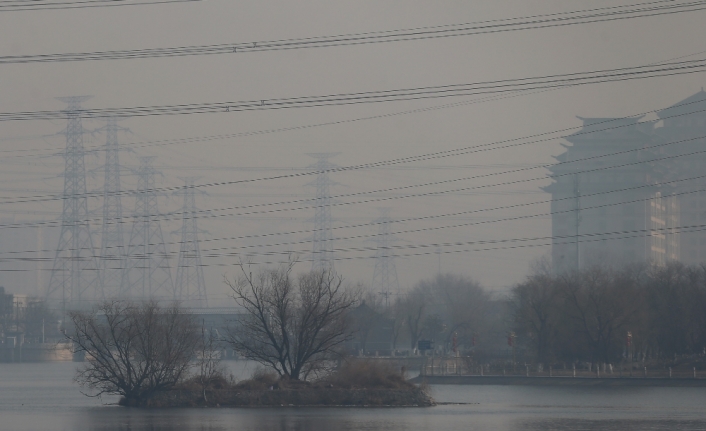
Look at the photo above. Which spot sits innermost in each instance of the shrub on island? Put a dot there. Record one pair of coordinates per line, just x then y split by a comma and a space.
355, 383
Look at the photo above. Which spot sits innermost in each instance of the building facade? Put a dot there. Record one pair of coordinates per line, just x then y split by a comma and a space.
626, 190
684, 132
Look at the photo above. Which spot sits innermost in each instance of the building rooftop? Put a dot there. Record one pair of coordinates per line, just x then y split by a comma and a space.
694, 105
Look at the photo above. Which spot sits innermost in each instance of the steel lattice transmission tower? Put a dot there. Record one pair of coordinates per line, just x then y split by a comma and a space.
322, 247
190, 287
147, 273
385, 273
74, 277
112, 256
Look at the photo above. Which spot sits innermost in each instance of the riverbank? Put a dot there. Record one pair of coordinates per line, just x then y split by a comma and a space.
305, 397
561, 381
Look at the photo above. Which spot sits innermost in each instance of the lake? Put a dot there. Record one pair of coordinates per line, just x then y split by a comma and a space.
43, 397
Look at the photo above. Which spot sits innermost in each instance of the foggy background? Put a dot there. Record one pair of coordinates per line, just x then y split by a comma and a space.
31, 163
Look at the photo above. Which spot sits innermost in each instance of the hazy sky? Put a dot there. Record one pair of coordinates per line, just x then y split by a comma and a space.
125, 83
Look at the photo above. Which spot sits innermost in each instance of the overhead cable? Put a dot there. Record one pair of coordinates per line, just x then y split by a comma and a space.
380, 96
562, 19
34, 5
509, 143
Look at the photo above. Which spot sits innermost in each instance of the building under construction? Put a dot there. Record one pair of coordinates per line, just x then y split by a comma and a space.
632, 190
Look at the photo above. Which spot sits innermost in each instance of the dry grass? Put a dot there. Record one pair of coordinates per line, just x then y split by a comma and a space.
262, 379
367, 374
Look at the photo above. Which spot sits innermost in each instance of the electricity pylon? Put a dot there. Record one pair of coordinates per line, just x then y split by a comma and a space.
385, 280
322, 240
112, 256
190, 287
147, 274
74, 276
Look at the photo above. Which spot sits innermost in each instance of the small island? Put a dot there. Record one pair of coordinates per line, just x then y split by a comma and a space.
354, 384
155, 356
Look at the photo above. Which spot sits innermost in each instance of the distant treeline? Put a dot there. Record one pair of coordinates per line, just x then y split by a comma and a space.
608, 314
601, 314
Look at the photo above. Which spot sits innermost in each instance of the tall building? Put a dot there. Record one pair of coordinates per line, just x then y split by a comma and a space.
684, 128
611, 196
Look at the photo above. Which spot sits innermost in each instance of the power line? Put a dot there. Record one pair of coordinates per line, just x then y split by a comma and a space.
586, 16
176, 141
455, 190
34, 5
382, 96
164, 142
426, 229
571, 239
442, 181
503, 144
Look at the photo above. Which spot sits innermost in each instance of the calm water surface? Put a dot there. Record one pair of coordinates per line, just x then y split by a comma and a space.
43, 397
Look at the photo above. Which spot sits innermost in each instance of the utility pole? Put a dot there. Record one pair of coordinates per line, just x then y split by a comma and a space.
147, 274
190, 287
385, 280
577, 216
74, 276
112, 256
322, 241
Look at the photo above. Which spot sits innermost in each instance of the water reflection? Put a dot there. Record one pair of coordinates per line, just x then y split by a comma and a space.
440, 418
43, 397
608, 425
246, 420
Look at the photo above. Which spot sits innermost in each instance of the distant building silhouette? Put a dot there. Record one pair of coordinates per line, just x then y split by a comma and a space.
624, 190
685, 124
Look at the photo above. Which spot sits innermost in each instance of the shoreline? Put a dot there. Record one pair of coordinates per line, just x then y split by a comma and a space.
282, 398
562, 381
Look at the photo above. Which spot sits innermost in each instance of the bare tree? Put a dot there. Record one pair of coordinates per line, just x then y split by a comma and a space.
134, 350
208, 360
676, 295
538, 310
415, 311
397, 314
292, 326
601, 302
462, 302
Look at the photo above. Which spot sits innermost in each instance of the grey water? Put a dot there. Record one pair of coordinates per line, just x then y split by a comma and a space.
43, 397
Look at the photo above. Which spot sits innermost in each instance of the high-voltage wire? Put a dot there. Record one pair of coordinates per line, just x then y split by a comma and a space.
431, 183
440, 192
469, 212
177, 141
33, 5
503, 144
571, 240
587, 16
382, 96
421, 218
163, 142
